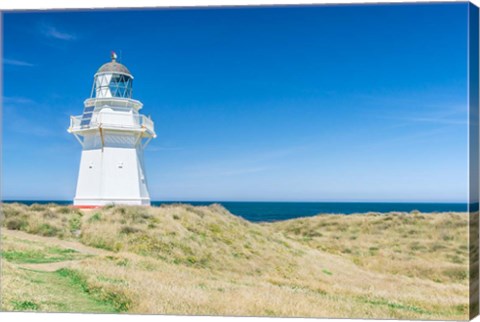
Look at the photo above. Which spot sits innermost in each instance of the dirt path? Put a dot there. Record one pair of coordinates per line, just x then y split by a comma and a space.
79, 247
50, 267
53, 241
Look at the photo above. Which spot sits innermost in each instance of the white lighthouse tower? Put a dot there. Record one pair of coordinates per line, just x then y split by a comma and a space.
113, 135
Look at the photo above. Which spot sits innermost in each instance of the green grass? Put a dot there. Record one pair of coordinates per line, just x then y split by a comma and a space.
50, 255
393, 305
55, 292
24, 306
74, 277
95, 217
112, 299
75, 223
326, 271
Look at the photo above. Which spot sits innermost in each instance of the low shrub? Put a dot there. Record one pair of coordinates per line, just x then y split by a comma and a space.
68, 210
38, 207
456, 273
49, 214
129, 230
16, 224
46, 230
95, 217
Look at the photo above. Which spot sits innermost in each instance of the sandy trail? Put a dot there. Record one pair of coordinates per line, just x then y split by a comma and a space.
51, 267
79, 247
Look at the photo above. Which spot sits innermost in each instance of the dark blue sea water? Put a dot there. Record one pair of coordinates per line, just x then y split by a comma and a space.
272, 211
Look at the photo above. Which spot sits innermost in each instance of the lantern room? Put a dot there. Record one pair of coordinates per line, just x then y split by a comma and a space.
112, 80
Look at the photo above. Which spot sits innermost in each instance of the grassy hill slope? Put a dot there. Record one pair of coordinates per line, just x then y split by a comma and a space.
180, 259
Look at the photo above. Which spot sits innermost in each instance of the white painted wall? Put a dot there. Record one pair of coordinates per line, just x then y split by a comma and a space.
112, 174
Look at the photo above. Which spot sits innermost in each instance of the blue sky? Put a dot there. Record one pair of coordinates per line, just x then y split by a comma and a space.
325, 103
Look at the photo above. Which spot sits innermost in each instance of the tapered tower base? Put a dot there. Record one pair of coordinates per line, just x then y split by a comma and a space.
111, 176
95, 203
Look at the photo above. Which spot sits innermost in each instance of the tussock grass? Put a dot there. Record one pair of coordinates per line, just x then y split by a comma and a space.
180, 259
45, 220
202, 237
427, 246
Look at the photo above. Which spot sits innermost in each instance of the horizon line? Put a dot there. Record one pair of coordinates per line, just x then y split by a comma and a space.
258, 201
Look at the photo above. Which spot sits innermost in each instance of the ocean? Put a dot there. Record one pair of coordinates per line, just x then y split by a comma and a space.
273, 211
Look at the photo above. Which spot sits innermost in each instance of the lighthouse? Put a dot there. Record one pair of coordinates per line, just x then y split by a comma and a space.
113, 135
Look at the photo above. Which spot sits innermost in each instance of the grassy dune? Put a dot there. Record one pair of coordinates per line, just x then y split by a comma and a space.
180, 259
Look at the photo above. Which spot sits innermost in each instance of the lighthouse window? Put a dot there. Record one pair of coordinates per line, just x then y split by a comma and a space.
120, 86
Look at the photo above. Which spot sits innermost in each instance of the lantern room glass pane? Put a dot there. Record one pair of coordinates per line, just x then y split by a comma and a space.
118, 85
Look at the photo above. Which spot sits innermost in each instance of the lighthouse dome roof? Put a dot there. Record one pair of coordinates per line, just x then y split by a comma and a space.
113, 67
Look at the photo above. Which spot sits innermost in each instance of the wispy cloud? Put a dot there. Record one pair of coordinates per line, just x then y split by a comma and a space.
452, 115
435, 120
53, 32
17, 100
429, 119
15, 62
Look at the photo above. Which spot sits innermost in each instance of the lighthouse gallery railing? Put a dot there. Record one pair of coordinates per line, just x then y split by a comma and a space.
113, 121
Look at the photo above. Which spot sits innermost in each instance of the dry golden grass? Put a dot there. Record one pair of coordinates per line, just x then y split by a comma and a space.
179, 259
427, 246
